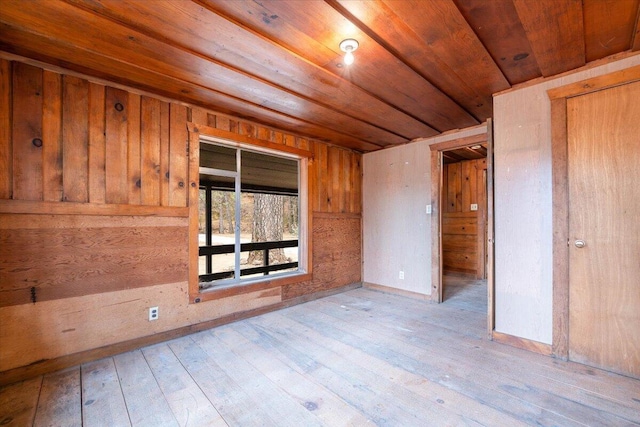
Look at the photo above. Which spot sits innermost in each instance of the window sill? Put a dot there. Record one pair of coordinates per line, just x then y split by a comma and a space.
247, 287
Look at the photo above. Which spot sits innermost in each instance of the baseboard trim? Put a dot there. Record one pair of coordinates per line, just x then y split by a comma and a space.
523, 343
50, 365
390, 290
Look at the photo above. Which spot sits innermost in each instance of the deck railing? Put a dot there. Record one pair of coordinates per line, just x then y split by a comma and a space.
209, 251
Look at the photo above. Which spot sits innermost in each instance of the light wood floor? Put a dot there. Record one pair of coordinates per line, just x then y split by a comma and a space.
465, 293
363, 357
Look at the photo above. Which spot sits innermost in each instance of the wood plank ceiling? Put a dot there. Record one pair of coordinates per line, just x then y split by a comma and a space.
423, 66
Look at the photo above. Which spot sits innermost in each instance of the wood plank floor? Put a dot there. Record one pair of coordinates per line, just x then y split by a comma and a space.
363, 357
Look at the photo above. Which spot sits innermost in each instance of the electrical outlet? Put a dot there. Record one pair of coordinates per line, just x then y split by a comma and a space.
153, 313
474, 206
401, 275
428, 209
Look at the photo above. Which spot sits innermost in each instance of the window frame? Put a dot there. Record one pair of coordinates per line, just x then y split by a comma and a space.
229, 139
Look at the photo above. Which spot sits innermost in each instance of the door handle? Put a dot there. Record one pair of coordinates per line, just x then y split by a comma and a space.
580, 243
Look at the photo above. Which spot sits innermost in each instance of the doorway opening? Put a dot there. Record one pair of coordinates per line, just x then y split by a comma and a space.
463, 228
462, 223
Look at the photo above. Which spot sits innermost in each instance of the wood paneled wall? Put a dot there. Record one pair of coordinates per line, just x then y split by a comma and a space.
76, 141
463, 230
336, 172
94, 212
101, 154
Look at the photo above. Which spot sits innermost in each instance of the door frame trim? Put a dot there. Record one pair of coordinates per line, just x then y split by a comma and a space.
436, 214
560, 194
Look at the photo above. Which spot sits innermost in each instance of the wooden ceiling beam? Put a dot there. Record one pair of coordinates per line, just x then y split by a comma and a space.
315, 31
116, 44
607, 25
556, 32
437, 43
199, 31
94, 65
498, 27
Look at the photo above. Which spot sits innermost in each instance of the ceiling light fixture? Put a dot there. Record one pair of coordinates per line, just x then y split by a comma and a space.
349, 46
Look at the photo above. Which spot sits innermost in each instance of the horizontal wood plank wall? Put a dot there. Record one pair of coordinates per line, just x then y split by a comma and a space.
461, 229
94, 216
47, 257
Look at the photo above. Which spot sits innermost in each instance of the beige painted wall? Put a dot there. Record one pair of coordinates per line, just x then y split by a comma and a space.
396, 227
523, 208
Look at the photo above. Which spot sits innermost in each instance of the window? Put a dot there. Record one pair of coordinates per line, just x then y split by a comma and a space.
249, 212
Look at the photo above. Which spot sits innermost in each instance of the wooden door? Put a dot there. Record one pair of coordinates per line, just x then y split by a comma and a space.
603, 130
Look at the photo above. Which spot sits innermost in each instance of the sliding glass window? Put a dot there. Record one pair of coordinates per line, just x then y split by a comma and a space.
249, 215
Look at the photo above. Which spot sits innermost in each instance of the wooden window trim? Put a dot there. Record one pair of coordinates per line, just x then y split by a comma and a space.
195, 294
560, 191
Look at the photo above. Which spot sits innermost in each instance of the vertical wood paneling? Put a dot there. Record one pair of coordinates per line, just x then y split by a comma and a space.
247, 129
474, 183
133, 149
454, 188
303, 143
277, 137
199, 116
178, 156
75, 138
467, 170
347, 187
26, 132
150, 150
322, 181
6, 172
222, 122
212, 120
330, 180
164, 153
357, 170
264, 133
334, 179
116, 143
290, 140
445, 189
116, 110
97, 144
52, 137
462, 230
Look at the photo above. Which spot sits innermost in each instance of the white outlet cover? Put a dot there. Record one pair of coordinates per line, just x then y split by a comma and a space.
401, 275
474, 206
153, 313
